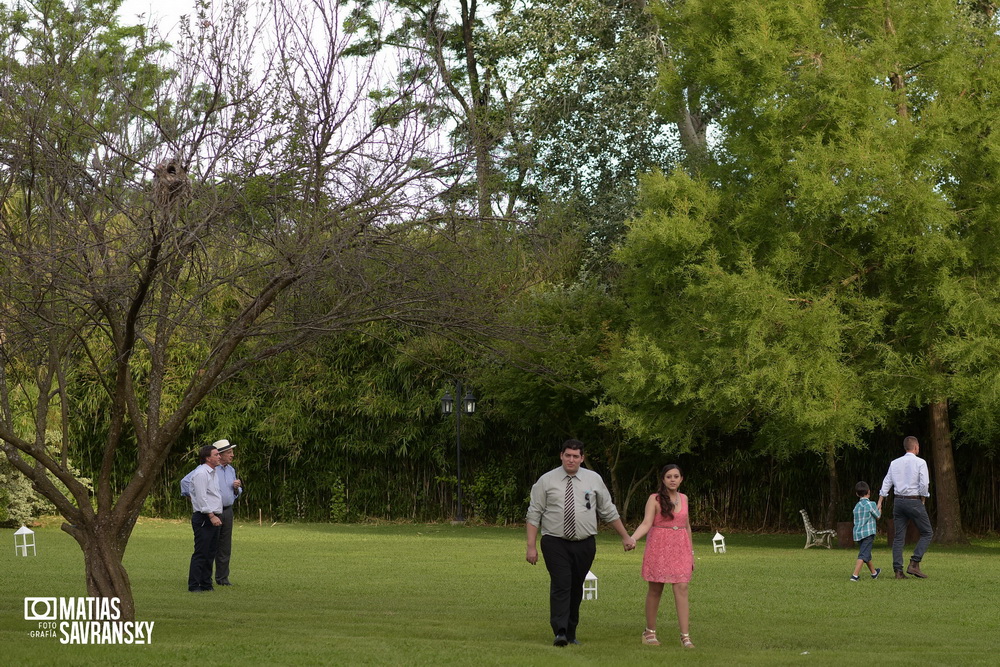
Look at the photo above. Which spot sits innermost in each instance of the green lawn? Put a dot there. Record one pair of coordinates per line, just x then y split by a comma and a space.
441, 594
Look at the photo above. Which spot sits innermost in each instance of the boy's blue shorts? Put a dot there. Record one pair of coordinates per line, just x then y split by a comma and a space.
865, 548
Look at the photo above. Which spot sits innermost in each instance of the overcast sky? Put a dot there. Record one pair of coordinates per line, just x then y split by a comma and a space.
165, 13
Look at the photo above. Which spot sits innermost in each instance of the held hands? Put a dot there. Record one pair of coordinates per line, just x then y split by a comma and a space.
628, 543
237, 484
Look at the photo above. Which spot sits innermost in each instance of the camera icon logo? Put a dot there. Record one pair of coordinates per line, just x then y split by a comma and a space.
41, 609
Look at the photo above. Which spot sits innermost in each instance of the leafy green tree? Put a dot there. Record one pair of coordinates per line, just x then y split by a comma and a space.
550, 100
545, 390
590, 114
453, 48
834, 264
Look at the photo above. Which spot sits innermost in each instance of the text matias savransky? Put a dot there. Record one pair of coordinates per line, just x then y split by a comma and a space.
85, 621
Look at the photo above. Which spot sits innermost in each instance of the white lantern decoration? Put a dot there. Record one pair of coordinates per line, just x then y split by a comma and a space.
718, 544
23, 539
590, 586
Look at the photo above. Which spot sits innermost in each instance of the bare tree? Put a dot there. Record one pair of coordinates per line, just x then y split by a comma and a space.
172, 216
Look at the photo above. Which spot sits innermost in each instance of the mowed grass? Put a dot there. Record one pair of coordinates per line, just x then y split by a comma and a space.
461, 595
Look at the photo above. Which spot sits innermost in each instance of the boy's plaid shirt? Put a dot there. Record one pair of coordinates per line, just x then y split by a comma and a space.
865, 513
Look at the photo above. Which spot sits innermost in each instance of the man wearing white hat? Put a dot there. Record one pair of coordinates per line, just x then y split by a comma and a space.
231, 487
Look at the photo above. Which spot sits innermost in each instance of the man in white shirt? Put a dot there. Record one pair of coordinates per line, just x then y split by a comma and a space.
206, 503
231, 487
908, 476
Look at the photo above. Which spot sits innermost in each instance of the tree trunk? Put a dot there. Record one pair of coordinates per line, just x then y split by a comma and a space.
831, 466
612, 461
484, 170
479, 123
102, 558
949, 515
692, 126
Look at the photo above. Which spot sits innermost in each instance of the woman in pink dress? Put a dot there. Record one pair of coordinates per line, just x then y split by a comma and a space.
669, 558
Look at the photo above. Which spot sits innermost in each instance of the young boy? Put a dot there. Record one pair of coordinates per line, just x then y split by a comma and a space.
865, 513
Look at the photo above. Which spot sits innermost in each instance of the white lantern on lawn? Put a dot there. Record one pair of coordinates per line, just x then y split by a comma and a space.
718, 544
590, 586
24, 538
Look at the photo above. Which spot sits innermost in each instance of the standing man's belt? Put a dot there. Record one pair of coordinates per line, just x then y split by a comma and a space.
564, 539
910, 497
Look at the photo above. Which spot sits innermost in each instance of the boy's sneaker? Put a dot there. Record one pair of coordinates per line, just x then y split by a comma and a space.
854, 577
878, 571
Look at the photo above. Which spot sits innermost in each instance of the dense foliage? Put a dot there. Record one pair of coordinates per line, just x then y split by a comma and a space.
754, 238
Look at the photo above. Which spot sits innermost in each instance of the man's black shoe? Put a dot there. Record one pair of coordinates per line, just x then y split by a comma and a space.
576, 642
560, 640
223, 583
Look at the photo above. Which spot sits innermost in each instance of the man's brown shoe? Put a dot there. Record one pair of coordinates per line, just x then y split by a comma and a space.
900, 575
914, 569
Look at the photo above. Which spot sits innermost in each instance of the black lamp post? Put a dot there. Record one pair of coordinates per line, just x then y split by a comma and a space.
468, 406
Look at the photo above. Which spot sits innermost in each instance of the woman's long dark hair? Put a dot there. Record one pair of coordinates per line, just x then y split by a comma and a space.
666, 505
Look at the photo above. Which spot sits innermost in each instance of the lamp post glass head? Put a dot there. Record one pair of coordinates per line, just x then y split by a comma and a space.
468, 406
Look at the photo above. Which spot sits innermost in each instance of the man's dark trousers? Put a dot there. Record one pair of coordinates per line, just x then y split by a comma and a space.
568, 564
905, 510
206, 544
225, 546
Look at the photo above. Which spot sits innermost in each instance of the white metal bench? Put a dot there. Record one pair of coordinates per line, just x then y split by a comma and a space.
822, 538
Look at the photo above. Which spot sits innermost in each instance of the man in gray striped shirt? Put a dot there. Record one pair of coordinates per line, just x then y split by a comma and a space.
565, 505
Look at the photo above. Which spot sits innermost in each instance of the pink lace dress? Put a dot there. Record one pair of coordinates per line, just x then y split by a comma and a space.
668, 557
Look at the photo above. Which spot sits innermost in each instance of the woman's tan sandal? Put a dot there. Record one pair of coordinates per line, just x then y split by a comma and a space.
686, 640
649, 637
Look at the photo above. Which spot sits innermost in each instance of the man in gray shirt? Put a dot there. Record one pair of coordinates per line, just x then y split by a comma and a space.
565, 505
230, 487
